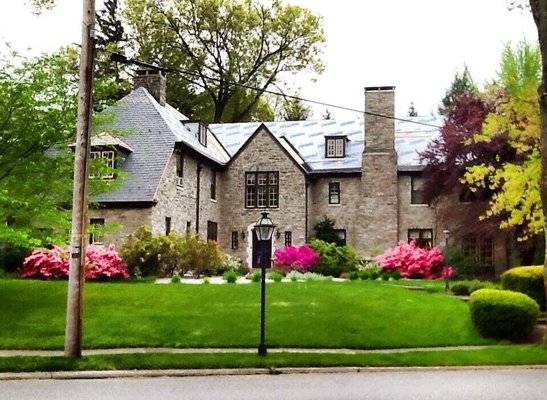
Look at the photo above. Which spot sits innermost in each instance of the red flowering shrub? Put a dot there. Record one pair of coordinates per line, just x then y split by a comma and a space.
104, 263
101, 264
46, 264
290, 258
413, 261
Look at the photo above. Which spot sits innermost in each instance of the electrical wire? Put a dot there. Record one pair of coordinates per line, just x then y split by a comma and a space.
120, 58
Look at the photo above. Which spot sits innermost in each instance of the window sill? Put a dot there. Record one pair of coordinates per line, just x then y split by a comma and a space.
213, 200
419, 205
335, 205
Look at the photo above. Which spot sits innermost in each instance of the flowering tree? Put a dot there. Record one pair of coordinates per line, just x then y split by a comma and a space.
300, 258
413, 261
101, 264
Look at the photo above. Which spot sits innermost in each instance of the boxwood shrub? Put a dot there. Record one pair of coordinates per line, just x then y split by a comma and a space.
503, 314
527, 280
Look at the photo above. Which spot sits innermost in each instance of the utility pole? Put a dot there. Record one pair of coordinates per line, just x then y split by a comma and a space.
74, 312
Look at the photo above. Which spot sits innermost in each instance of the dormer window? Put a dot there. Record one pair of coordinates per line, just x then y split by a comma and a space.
109, 159
335, 146
202, 135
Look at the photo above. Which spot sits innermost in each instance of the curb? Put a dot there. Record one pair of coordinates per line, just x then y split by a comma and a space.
187, 373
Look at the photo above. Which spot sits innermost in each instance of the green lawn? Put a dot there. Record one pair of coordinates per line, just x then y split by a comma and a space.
495, 355
359, 314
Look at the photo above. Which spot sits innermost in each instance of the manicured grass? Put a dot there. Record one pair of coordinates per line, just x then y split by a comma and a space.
495, 355
358, 314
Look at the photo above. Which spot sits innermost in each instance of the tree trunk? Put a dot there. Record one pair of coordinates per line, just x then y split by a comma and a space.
539, 11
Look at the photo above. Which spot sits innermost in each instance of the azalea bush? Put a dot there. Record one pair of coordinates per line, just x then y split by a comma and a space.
100, 264
413, 261
291, 258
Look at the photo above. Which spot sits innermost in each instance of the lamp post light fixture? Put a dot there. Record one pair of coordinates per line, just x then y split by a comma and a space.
446, 233
264, 229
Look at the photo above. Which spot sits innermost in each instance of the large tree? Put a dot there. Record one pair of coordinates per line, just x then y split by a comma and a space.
221, 43
539, 11
515, 182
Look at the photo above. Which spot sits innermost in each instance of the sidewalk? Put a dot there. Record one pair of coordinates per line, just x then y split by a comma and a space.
145, 350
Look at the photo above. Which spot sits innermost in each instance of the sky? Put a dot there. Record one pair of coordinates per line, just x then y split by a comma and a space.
416, 46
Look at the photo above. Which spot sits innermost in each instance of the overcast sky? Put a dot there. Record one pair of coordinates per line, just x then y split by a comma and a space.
415, 45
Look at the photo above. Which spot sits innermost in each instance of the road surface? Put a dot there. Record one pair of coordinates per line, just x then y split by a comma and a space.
498, 384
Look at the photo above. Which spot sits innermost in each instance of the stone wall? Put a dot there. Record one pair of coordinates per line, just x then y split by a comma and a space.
262, 153
179, 202
378, 207
415, 216
121, 222
345, 213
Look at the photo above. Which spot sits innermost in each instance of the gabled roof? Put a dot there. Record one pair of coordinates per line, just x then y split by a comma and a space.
151, 132
104, 139
307, 139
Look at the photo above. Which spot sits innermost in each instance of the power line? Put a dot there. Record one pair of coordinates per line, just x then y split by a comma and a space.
116, 57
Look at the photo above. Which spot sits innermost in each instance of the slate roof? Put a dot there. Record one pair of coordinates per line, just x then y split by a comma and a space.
152, 131
308, 139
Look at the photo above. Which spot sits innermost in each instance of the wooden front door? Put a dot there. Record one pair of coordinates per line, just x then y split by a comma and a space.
262, 252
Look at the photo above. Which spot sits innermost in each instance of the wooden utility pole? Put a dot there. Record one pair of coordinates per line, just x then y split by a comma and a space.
73, 336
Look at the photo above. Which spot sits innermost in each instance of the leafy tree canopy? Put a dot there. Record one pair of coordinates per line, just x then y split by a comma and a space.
462, 83
221, 42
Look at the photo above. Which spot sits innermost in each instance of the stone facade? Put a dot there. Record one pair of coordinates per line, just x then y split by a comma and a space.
262, 153
375, 207
379, 206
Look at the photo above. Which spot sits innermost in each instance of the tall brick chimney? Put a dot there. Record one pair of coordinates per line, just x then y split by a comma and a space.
152, 80
379, 207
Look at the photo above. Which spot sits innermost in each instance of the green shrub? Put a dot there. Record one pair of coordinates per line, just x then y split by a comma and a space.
275, 276
175, 279
460, 288
503, 314
465, 266
364, 275
326, 232
353, 275
255, 276
475, 285
385, 276
333, 259
395, 274
230, 276
527, 280
373, 275
149, 255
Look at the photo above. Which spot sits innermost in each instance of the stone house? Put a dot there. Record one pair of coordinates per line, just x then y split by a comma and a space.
217, 179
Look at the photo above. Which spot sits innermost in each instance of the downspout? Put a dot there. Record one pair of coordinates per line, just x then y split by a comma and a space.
198, 174
306, 212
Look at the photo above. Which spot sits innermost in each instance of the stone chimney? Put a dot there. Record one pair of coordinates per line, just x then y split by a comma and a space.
379, 131
152, 80
378, 210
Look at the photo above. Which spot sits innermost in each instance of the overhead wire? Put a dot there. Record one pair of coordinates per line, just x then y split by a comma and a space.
116, 57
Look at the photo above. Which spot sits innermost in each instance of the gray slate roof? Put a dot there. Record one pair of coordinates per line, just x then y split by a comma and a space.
308, 138
152, 131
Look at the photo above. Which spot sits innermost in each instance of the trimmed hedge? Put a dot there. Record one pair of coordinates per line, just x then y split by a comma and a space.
527, 280
465, 288
503, 314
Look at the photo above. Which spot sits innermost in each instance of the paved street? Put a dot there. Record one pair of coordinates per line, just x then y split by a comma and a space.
499, 384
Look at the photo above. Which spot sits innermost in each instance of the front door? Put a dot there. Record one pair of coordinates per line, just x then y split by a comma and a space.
262, 252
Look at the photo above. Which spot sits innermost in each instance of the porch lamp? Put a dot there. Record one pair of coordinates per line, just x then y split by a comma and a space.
264, 230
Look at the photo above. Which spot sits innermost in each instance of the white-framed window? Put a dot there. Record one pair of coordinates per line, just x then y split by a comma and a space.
335, 147
417, 195
422, 237
334, 193
96, 231
262, 189
202, 135
109, 158
180, 168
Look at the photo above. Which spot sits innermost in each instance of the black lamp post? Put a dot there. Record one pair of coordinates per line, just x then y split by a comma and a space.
264, 230
446, 277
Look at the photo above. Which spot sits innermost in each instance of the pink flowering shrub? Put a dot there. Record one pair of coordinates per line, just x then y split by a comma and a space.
413, 261
290, 258
101, 264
